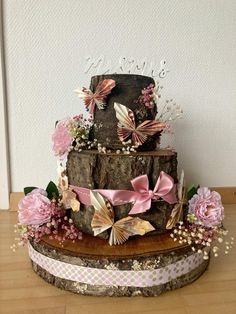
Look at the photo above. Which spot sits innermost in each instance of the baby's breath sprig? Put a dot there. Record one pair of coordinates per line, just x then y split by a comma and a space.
202, 239
128, 148
170, 112
101, 149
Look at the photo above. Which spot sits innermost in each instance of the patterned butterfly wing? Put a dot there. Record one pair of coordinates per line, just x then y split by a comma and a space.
75, 205
127, 127
103, 89
69, 200
177, 211
88, 98
63, 183
126, 227
150, 127
126, 124
103, 217
97, 98
145, 129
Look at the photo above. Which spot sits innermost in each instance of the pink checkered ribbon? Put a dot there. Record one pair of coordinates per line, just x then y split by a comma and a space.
105, 277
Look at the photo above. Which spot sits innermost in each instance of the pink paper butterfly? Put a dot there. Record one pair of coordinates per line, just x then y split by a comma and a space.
99, 97
127, 126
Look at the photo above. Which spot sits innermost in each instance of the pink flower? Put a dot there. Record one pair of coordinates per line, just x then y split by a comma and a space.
34, 208
39, 191
62, 140
207, 207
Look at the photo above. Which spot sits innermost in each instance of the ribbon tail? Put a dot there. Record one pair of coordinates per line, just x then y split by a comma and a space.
171, 196
118, 197
140, 207
83, 194
165, 188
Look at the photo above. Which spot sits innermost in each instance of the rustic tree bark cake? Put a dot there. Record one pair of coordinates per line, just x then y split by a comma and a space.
92, 170
117, 184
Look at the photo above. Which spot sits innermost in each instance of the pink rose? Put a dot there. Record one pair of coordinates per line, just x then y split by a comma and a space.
207, 207
62, 140
34, 208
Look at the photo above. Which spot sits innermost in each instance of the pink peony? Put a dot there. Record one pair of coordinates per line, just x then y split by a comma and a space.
34, 208
207, 207
62, 140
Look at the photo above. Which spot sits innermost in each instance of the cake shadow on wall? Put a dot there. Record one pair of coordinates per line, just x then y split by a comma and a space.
120, 222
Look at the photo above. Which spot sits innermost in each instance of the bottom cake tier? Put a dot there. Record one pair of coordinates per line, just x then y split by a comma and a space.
141, 266
93, 170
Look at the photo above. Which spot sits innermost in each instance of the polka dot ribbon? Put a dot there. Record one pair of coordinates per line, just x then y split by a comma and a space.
105, 277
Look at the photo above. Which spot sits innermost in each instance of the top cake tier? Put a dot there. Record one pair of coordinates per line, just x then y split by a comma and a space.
127, 92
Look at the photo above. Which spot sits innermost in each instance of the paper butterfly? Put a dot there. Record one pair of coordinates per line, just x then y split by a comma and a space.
69, 199
177, 211
99, 97
127, 126
122, 229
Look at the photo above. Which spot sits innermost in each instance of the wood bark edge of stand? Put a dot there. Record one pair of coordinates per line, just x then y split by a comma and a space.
119, 291
134, 248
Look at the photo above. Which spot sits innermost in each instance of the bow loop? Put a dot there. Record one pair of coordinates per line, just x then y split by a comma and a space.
140, 184
164, 188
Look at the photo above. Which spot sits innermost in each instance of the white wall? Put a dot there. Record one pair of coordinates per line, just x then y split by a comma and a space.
46, 43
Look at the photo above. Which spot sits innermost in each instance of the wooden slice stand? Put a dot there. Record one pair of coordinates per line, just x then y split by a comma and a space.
144, 266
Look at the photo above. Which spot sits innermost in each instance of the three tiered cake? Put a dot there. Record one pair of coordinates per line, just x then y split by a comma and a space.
119, 222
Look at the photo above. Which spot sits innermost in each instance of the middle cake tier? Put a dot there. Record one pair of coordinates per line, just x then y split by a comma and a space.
93, 170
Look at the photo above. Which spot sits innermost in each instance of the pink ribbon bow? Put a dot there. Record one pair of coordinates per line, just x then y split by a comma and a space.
141, 197
164, 188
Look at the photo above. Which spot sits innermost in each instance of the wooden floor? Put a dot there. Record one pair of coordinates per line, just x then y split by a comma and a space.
23, 292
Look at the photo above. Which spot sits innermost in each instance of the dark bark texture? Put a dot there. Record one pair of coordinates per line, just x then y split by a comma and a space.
93, 170
126, 92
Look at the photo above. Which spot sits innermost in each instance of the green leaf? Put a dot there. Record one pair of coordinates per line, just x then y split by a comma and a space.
29, 189
192, 190
52, 190
191, 187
